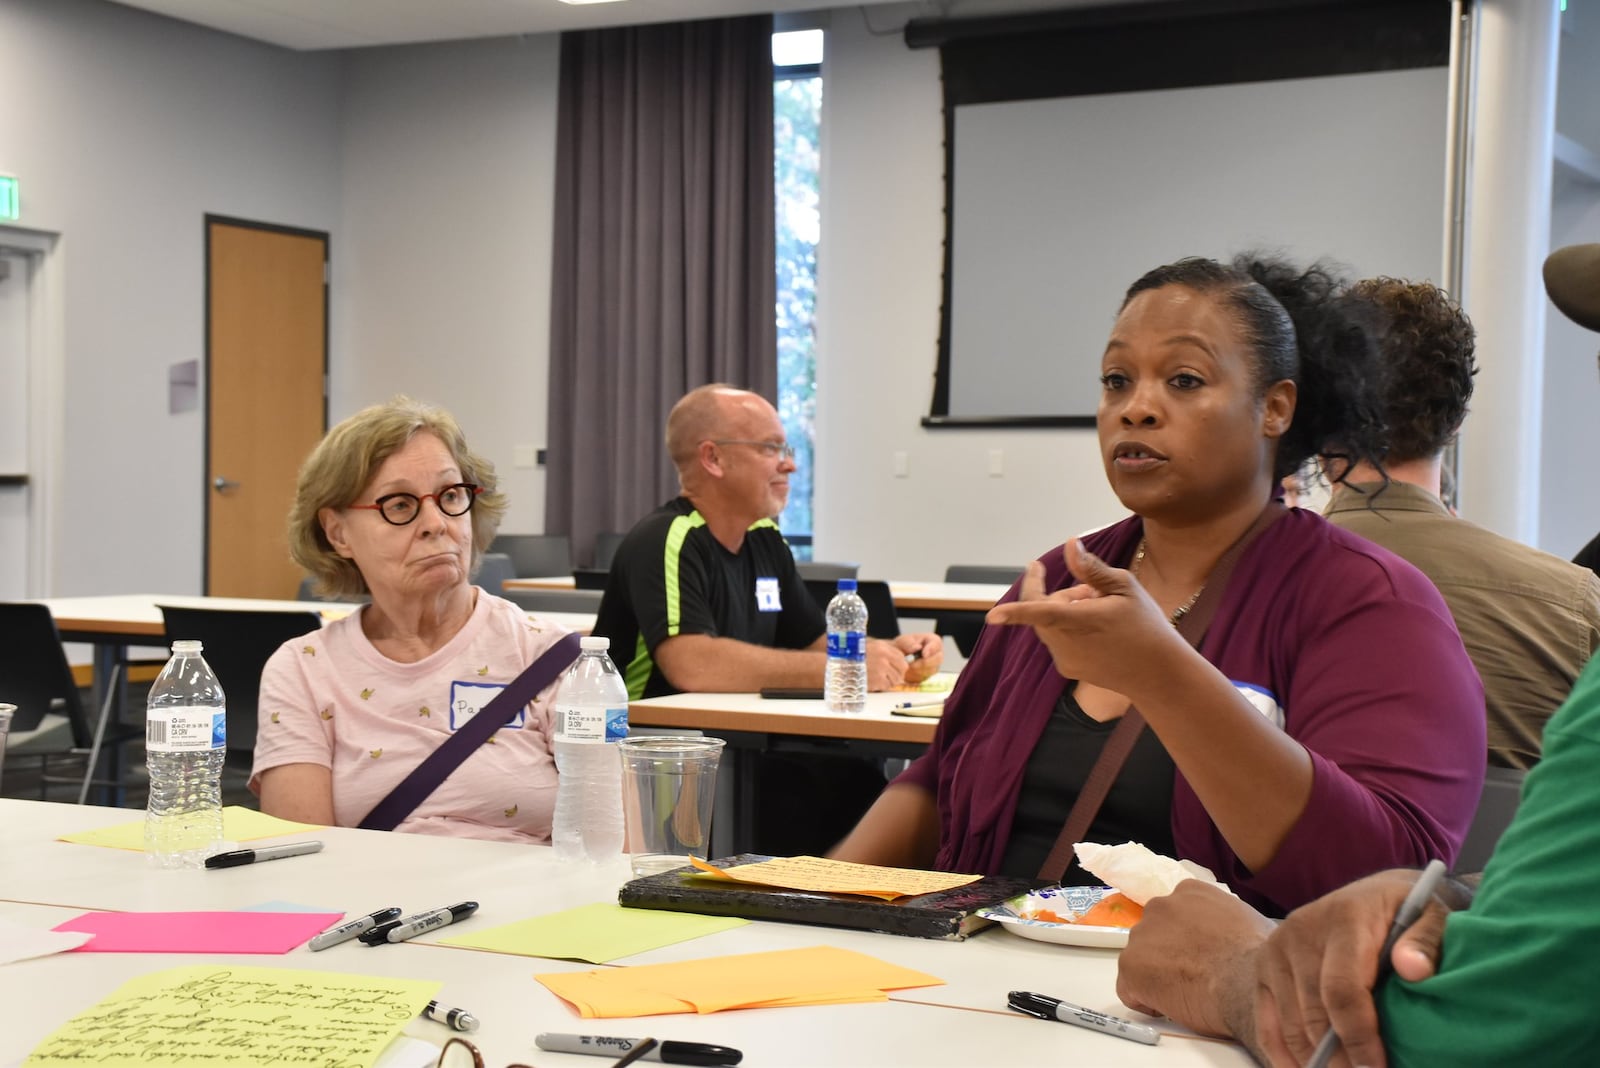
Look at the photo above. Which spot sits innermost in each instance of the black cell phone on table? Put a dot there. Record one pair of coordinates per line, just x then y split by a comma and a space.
791, 693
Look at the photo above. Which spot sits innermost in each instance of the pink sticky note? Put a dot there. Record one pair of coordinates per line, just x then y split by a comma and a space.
197, 932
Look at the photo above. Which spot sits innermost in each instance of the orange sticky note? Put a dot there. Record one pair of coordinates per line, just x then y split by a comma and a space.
816, 975
839, 877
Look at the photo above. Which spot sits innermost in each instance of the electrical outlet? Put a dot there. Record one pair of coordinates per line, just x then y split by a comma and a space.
902, 464
997, 463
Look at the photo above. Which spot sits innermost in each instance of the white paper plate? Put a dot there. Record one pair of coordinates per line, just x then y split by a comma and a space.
1073, 898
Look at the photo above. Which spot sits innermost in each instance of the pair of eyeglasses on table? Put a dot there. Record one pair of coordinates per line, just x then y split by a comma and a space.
459, 1053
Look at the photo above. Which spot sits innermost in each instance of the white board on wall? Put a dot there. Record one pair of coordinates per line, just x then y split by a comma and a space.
1059, 204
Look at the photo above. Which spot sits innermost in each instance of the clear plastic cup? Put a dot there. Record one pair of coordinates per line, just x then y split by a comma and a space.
669, 787
6, 712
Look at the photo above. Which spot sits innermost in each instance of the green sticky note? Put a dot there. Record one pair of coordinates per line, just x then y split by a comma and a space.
239, 824
594, 933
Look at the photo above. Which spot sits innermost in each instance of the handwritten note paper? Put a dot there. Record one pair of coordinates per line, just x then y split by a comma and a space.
839, 877
198, 932
595, 933
238, 1016
239, 824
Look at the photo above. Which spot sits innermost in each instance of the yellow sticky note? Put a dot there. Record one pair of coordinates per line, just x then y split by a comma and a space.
938, 682
227, 1015
595, 933
839, 877
239, 824
813, 976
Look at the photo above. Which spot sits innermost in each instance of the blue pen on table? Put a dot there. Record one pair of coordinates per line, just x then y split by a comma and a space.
916, 704
418, 923
460, 1019
699, 1053
255, 856
354, 928
1048, 1008
1410, 912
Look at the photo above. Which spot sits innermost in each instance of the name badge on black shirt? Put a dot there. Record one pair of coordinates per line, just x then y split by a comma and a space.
767, 599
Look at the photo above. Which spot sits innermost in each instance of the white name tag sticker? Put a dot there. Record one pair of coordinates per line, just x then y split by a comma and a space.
467, 699
1263, 700
767, 599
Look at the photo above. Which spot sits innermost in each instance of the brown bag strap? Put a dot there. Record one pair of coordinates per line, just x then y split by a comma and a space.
1108, 765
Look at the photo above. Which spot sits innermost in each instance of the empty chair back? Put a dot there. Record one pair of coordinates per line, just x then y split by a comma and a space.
34, 673
536, 555
963, 628
882, 619
237, 645
605, 548
825, 570
307, 593
493, 570
1497, 806
590, 578
556, 600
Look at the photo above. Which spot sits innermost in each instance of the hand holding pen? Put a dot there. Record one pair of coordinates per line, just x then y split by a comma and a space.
1335, 950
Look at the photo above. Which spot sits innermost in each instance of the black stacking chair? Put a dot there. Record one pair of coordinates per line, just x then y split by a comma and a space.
536, 555
882, 620
237, 645
963, 628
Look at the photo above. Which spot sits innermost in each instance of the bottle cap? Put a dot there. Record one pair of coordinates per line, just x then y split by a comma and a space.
594, 642
187, 645
847, 585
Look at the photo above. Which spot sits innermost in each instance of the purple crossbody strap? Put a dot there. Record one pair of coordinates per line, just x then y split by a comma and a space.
425, 778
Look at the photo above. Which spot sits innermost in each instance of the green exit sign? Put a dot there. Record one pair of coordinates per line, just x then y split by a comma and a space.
10, 197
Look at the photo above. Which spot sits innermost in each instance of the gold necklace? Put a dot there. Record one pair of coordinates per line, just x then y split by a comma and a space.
1183, 609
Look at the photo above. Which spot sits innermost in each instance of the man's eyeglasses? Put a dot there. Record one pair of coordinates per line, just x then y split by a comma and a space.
401, 508
459, 1053
770, 449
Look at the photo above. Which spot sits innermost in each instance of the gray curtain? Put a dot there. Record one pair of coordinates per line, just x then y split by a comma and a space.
663, 254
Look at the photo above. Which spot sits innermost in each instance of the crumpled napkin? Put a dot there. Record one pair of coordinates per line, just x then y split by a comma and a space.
1137, 871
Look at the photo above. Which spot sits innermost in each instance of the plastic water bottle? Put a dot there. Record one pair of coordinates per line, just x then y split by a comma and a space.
592, 713
844, 687
186, 738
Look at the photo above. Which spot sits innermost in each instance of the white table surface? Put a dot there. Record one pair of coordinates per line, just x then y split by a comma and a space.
909, 596
43, 882
139, 614
752, 712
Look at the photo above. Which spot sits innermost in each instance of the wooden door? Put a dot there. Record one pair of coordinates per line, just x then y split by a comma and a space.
266, 405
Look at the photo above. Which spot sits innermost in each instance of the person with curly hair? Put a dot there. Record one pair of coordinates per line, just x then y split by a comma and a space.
1530, 620
1329, 724
394, 503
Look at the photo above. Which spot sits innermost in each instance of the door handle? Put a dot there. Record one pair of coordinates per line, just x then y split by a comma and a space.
223, 485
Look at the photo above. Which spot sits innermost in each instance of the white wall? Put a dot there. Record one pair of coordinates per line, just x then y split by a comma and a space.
878, 292
431, 167
126, 129
442, 260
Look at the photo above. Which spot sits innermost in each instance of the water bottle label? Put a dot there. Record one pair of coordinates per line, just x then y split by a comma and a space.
847, 645
586, 723
616, 724
185, 729
467, 699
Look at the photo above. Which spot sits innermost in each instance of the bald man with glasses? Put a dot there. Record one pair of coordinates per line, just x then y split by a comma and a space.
703, 596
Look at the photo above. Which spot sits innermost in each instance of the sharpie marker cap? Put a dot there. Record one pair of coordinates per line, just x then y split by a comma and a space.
379, 935
698, 1053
